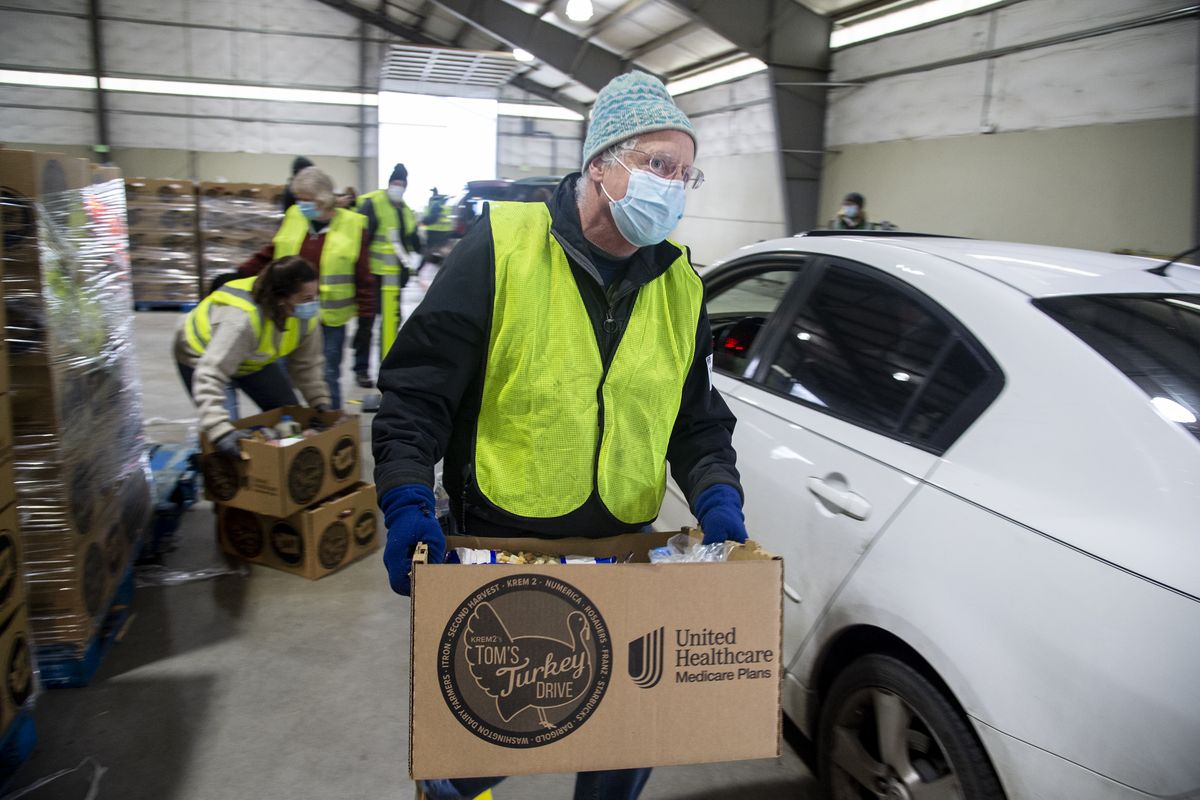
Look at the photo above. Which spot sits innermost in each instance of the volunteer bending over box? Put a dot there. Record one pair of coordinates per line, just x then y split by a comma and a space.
238, 334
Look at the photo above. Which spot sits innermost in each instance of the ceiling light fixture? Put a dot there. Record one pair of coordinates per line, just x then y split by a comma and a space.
711, 77
536, 111
523, 56
912, 16
579, 10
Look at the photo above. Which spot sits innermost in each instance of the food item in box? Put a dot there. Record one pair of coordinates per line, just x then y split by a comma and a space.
683, 549
468, 555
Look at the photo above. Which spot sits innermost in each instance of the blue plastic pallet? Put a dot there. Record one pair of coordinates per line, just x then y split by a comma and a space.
177, 488
163, 305
16, 745
63, 668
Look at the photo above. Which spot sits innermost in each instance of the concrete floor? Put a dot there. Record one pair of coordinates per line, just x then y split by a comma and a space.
267, 686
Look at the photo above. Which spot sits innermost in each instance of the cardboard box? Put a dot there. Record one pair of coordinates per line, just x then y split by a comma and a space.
50, 179
568, 667
279, 481
8, 484
141, 190
6, 428
314, 542
103, 173
12, 591
5, 381
15, 657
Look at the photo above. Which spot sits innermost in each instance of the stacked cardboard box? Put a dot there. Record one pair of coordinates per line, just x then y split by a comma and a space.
82, 478
298, 507
236, 219
15, 657
162, 240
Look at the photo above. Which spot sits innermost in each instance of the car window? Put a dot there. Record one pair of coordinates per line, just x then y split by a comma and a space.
865, 349
1153, 339
739, 310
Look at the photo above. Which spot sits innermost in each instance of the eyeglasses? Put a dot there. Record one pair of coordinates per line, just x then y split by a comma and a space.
668, 168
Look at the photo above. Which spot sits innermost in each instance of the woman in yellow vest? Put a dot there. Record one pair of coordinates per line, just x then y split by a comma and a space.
335, 241
237, 335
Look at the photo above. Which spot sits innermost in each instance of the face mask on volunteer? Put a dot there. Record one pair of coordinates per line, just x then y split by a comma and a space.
395, 193
308, 208
306, 310
850, 211
651, 208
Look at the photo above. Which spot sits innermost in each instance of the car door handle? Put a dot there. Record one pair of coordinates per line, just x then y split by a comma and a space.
846, 502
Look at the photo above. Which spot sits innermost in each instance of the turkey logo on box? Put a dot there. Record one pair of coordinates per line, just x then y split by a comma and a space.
525, 661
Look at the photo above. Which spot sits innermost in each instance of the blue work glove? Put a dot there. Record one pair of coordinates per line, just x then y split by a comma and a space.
719, 511
410, 515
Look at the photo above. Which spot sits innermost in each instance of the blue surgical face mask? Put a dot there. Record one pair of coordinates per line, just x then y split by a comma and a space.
308, 208
850, 211
306, 310
651, 208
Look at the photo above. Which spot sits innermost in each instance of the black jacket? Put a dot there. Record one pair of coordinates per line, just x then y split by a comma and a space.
432, 382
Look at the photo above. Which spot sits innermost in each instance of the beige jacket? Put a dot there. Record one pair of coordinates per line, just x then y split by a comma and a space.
233, 341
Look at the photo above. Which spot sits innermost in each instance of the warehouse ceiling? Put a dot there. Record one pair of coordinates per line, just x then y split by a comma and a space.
571, 59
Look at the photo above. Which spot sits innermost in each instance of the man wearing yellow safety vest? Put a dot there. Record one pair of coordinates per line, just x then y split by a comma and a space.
334, 240
237, 335
558, 363
437, 222
392, 226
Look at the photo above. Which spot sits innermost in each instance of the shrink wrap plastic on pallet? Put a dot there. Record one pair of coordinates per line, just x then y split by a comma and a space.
162, 240
84, 489
236, 219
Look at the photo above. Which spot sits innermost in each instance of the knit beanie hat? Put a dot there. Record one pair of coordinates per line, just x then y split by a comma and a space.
629, 105
400, 173
299, 163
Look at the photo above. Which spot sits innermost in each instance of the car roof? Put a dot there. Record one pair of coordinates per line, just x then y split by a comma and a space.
1034, 270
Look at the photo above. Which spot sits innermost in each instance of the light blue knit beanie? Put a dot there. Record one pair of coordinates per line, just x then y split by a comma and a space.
629, 105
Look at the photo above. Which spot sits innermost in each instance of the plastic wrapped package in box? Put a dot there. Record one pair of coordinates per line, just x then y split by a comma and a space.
83, 482
162, 240
236, 219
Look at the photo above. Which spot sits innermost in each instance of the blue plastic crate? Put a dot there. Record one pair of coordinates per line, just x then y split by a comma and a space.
16, 745
63, 667
177, 487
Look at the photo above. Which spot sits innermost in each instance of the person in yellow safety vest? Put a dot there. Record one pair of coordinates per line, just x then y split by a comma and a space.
392, 226
558, 363
335, 241
437, 222
237, 335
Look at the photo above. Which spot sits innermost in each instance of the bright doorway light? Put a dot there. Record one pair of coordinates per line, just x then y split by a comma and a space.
522, 55
849, 32
444, 142
579, 10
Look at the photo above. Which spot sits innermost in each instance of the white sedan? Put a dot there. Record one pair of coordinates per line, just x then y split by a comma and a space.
981, 463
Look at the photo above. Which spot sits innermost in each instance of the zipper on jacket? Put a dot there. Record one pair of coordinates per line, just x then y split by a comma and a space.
610, 328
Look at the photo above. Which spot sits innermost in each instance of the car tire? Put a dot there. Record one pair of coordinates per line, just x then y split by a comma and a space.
886, 731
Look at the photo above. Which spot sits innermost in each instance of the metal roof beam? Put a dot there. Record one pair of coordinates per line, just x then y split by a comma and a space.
411, 34
663, 39
602, 24
587, 63
783, 33
794, 43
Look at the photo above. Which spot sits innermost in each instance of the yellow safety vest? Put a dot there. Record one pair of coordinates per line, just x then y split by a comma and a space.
543, 438
383, 251
273, 344
339, 258
444, 222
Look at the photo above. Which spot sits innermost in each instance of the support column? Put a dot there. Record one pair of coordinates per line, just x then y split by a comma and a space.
101, 107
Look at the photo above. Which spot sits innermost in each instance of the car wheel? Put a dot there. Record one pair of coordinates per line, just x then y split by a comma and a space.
888, 732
